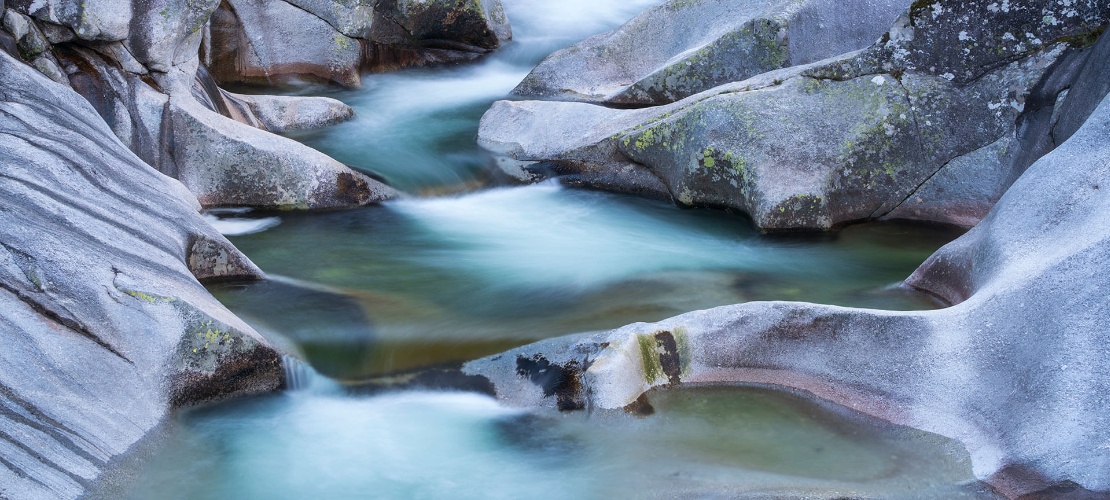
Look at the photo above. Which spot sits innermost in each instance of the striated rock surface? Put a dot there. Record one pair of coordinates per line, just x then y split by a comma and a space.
1014, 368
849, 138
332, 41
149, 86
680, 48
105, 327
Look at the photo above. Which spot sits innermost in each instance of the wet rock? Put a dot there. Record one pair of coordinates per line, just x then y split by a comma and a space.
680, 48
817, 146
104, 328
1013, 369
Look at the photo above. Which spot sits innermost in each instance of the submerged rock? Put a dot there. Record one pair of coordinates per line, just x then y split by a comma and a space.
841, 140
1013, 369
680, 48
105, 326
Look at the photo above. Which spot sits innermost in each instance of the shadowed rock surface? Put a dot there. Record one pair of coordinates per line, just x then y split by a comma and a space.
332, 41
1014, 369
105, 329
680, 48
850, 138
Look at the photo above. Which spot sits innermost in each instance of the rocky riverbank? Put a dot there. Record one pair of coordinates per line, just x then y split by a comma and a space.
115, 131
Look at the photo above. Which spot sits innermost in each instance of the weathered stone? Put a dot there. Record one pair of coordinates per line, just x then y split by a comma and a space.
271, 41
869, 141
1086, 93
227, 163
286, 113
99, 20
680, 48
280, 41
352, 18
212, 261
449, 24
1014, 369
167, 33
964, 190
104, 328
815, 146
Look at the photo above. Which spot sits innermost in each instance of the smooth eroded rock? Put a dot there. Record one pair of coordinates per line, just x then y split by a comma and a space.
105, 329
1014, 370
680, 48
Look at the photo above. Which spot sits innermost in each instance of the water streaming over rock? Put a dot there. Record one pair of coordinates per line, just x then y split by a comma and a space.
432, 280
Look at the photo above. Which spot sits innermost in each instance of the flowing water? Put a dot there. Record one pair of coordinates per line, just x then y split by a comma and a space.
466, 268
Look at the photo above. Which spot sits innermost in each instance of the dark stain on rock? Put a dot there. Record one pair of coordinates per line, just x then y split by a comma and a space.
669, 359
641, 407
254, 371
351, 189
563, 382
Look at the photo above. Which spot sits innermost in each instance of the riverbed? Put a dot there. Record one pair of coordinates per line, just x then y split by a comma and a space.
468, 266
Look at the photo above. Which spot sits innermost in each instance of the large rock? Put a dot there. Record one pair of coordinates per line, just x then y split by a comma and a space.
227, 163
101, 20
1014, 369
105, 328
216, 142
845, 139
271, 42
680, 48
332, 41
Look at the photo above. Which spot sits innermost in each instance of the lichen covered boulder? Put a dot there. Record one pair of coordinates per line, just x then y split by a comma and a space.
845, 139
1013, 369
680, 48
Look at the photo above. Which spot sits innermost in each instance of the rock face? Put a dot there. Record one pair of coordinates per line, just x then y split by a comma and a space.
887, 132
680, 48
105, 328
147, 83
1014, 368
332, 41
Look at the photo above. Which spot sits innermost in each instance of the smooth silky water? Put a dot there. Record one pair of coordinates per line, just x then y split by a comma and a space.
464, 270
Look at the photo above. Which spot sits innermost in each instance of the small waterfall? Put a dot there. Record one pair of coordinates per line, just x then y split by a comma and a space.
298, 374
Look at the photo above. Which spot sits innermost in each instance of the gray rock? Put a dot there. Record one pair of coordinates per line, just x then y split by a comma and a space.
271, 41
224, 161
964, 190
104, 327
227, 163
816, 146
352, 18
869, 141
1086, 93
680, 48
286, 113
167, 33
449, 24
279, 41
1014, 369
99, 20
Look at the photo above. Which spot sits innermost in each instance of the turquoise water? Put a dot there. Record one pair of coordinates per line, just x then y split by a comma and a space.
710, 442
467, 268
433, 280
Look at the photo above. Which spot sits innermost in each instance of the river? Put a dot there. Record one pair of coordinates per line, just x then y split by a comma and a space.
467, 267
